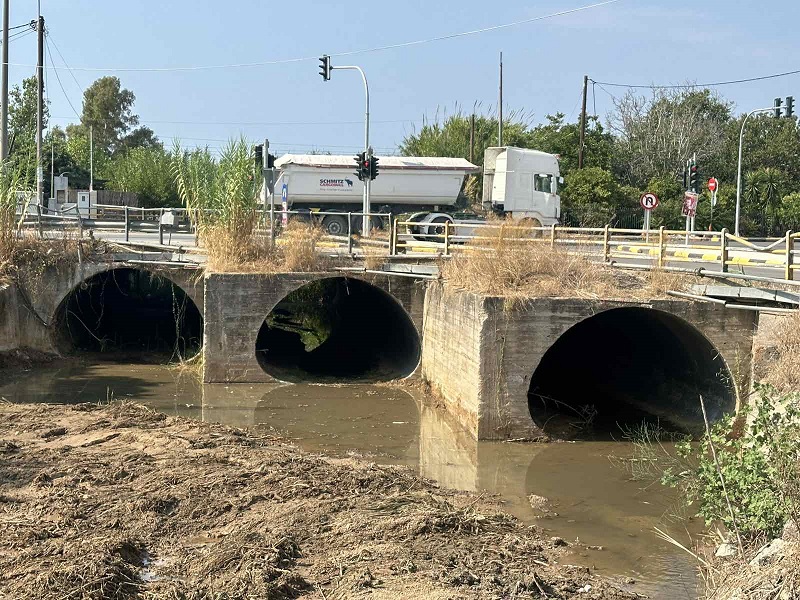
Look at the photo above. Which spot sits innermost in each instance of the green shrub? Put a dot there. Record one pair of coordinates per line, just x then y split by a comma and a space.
760, 467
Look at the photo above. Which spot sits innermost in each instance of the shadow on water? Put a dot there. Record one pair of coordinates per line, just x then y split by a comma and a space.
589, 497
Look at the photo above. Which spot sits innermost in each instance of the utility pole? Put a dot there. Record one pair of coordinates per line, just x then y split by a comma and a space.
500, 107
4, 77
583, 122
472, 138
40, 112
91, 161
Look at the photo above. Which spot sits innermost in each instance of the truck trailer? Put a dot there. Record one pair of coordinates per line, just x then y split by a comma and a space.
517, 182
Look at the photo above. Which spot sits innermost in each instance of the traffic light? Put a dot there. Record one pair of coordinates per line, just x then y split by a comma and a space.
789, 111
778, 103
325, 67
270, 161
259, 155
694, 178
360, 165
373, 168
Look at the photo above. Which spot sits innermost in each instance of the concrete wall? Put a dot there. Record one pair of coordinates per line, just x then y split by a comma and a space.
237, 304
480, 354
8, 318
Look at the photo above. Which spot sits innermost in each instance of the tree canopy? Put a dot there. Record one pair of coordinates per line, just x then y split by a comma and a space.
644, 147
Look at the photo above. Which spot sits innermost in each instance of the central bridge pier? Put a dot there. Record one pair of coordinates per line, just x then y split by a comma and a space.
504, 369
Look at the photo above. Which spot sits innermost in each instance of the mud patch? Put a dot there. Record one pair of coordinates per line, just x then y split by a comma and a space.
171, 508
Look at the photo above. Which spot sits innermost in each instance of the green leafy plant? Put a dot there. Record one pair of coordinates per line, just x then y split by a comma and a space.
758, 466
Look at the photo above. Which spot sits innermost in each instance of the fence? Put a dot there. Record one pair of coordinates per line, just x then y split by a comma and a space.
656, 248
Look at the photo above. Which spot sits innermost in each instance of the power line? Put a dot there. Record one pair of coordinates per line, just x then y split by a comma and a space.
693, 85
80, 87
261, 123
61, 85
342, 54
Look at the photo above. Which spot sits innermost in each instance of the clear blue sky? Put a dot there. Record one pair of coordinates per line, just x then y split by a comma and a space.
631, 41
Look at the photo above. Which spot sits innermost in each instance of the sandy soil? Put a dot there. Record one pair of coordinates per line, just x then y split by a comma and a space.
118, 501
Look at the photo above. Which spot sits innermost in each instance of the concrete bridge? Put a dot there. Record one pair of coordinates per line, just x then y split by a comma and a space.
502, 369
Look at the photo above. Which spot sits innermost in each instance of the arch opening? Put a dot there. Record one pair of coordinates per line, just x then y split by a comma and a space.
338, 329
620, 368
129, 313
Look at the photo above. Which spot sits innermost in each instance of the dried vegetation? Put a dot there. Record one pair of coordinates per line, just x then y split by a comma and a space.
783, 371
512, 262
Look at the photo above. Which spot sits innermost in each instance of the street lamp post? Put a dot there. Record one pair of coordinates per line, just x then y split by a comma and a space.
739, 168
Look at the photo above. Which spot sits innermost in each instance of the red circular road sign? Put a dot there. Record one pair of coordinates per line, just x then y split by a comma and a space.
648, 201
713, 184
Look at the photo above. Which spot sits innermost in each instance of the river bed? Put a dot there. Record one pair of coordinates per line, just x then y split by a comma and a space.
591, 498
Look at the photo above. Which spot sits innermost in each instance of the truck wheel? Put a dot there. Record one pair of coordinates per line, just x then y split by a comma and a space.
335, 225
533, 224
436, 229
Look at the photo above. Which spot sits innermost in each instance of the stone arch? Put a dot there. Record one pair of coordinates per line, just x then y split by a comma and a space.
337, 328
619, 367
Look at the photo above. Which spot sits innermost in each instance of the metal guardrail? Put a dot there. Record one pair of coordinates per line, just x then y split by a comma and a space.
151, 220
660, 246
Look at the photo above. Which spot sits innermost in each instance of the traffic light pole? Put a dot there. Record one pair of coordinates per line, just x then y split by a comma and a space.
366, 205
739, 168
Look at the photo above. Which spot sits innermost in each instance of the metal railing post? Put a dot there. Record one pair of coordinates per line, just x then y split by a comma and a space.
350, 233
789, 250
161, 228
127, 226
553, 235
393, 239
447, 238
661, 246
723, 250
606, 244
39, 220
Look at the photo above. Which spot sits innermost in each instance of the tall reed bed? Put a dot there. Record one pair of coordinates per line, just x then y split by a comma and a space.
220, 194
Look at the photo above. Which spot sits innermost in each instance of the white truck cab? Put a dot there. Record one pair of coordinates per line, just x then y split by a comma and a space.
522, 183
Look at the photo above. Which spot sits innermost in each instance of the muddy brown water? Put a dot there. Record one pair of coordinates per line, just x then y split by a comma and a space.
592, 499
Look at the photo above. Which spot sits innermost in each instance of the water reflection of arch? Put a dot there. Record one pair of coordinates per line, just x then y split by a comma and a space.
365, 418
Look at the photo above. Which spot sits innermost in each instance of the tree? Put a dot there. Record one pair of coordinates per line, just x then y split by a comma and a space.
148, 172
590, 197
22, 109
656, 135
107, 110
558, 137
451, 136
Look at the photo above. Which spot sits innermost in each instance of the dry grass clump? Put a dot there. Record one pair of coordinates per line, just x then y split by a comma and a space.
513, 263
737, 578
296, 250
26, 257
784, 370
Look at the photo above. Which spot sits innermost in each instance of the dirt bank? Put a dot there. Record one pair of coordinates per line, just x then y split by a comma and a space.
122, 502
24, 359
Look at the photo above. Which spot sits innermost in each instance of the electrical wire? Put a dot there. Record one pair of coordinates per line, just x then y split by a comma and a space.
260, 123
703, 85
343, 54
71, 72
58, 78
